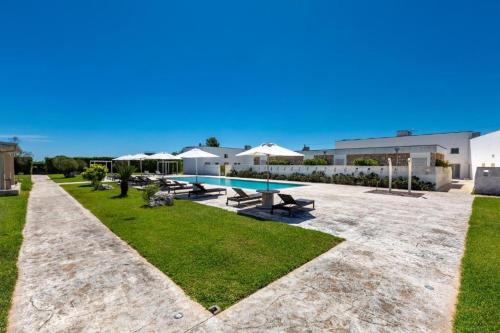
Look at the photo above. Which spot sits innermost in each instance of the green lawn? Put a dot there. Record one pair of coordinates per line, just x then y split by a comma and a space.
12, 217
478, 308
59, 178
216, 256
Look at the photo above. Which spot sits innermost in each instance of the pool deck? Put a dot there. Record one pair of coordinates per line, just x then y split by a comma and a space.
396, 271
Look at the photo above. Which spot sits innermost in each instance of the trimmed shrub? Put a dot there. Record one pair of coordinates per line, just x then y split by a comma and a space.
316, 161
96, 173
361, 179
365, 162
278, 161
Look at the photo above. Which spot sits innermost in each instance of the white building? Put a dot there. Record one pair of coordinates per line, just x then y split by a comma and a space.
457, 149
211, 166
485, 151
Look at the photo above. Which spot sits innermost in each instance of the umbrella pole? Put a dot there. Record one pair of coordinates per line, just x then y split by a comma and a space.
267, 164
196, 163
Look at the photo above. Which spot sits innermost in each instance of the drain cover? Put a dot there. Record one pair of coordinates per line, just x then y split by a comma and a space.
178, 315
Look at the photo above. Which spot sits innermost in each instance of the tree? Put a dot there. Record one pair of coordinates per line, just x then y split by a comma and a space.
66, 165
124, 171
212, 142
96, 173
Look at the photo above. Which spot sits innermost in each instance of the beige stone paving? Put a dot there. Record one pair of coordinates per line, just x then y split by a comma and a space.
397, 271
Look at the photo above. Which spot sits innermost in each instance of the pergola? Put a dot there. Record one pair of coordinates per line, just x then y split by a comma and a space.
165, 160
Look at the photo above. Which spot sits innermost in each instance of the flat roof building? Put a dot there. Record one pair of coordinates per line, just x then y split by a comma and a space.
456, 146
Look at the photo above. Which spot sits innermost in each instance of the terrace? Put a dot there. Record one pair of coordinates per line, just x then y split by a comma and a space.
396, 270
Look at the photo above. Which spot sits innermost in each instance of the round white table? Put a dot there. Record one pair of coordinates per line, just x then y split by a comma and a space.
267, 198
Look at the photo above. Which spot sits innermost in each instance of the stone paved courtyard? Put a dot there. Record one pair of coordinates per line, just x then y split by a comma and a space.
397, 270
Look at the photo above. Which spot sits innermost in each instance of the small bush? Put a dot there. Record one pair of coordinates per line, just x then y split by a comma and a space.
365, 162
278, 161
316, 161
96, 173
149, 191
441, 163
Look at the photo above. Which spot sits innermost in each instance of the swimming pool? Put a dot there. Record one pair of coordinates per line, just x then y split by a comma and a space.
248, 184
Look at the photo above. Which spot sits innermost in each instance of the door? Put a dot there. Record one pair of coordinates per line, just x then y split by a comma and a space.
455, 171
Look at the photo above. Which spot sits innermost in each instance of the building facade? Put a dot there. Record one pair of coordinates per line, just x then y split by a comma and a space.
455, 147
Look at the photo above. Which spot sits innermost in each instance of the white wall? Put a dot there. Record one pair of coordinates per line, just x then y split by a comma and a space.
485, 151
206, 166
460, 140
436, 175
487, 181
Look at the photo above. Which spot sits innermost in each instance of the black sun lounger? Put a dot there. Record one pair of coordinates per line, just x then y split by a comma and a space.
243, 196
174, 186
289, 203
199, 189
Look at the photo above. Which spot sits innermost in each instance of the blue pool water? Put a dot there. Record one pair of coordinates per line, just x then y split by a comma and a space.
248, 184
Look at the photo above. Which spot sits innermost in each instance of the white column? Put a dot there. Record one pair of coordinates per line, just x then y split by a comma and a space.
390, 174
409, 175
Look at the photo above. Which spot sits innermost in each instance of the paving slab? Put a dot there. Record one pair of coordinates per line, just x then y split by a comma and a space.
75, 275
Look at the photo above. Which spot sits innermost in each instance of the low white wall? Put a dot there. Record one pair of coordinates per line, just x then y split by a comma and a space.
436, 175
203, 169
487, 181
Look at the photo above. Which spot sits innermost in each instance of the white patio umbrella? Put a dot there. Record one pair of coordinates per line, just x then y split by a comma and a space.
121, 158
269, 149
138, 157
196, 153
163, 157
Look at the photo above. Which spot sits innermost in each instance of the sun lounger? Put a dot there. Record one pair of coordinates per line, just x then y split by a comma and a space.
199, 189
174, 186
289, 203
242, 196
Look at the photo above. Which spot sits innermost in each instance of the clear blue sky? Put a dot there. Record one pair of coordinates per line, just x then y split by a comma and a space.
116, 77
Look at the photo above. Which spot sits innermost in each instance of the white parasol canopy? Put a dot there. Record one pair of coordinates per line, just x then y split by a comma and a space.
162, 156
196, 153
123, 158
269, 149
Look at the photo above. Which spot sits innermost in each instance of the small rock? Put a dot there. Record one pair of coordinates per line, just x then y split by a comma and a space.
429, 287
104, 187
178, 315
161, 199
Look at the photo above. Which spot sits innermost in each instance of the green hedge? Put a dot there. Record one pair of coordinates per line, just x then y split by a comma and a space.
361, 179
23, 165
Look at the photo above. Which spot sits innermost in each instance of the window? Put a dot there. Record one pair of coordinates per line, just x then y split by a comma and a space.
225, 155
455, 151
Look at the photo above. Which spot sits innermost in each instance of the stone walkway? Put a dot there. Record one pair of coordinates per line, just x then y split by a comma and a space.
76, 275
397, 270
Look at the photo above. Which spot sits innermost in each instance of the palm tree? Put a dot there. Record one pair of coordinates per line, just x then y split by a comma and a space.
124, 171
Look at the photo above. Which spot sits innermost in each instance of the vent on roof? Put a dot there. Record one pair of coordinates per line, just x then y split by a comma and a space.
403, 133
